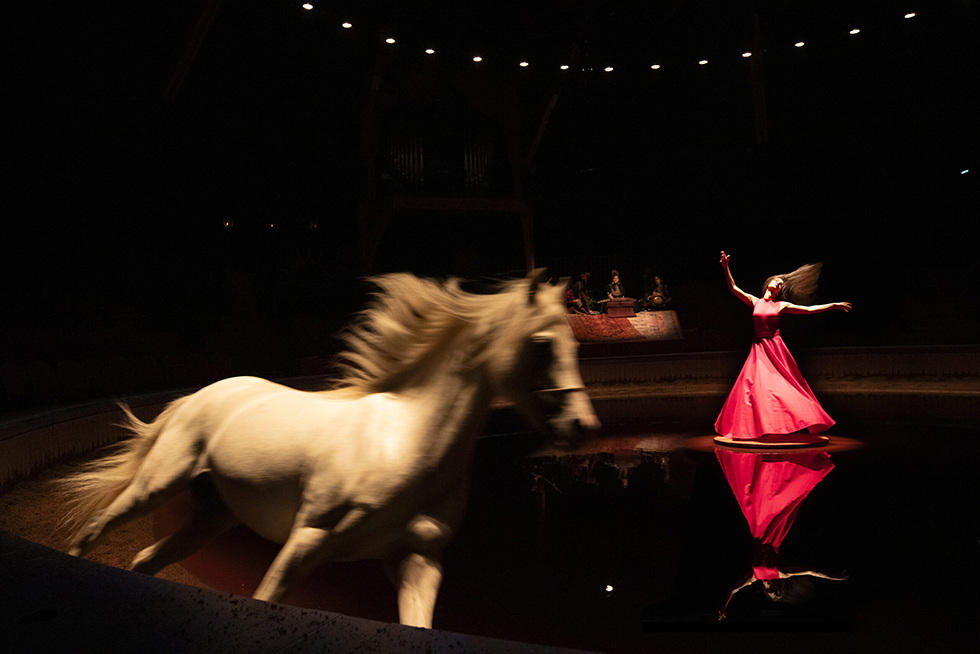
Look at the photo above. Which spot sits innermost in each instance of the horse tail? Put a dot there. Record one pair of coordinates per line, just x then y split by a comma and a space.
97, 483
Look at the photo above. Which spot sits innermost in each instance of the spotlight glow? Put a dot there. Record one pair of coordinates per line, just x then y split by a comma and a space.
477, 59
854, 31
524, 64
746, 54
389, 40
910, 15
703, 62
609, 589
799, 44
346, 25
429, 51
608, 69
307, 6
655, 67
564, 66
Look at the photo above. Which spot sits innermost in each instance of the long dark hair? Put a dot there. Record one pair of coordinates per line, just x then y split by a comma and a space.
799, 286
792, 590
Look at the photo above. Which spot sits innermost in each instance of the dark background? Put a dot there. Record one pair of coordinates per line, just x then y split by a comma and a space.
115, 192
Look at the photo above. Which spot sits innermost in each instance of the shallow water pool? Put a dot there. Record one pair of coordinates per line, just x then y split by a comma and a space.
632, 541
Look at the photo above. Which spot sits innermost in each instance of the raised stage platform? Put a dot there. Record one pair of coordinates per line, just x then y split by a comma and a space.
645, 326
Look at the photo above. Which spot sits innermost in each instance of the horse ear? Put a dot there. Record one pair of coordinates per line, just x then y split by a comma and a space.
537, 277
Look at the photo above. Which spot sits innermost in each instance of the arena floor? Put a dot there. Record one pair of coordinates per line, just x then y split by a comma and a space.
900, 468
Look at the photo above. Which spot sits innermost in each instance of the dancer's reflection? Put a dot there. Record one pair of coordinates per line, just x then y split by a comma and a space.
770, 487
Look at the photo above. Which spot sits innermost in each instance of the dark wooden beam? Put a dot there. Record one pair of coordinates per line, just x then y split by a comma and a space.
193, 47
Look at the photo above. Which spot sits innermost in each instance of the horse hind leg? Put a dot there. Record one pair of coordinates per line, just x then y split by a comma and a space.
209, 517
168, 468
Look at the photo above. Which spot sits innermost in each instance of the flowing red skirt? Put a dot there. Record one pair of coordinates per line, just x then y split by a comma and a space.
770, 396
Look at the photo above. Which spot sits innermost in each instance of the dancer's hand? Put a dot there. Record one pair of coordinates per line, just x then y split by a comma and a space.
724, 259
843, 306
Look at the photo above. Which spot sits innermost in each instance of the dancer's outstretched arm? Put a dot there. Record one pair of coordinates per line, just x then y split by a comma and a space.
744, 582
798, 572
739, 293
816, 308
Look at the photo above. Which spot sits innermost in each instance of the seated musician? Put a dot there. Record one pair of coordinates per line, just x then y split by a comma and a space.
573, 302
615, 290
658, 296
583, 295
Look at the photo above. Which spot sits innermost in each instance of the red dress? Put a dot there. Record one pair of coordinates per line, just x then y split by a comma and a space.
770, 488
770, 395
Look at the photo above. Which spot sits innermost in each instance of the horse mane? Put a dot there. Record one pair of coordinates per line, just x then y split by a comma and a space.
411, 324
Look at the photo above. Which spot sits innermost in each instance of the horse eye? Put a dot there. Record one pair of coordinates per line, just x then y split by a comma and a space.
541, 345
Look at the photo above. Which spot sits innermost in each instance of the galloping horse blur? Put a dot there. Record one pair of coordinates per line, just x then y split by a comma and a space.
378, 467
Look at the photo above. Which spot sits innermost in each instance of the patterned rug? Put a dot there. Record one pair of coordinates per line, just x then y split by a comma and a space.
650, 325
592, 329
658, 325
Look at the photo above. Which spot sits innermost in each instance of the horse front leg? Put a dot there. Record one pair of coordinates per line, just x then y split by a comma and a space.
420, 577
420, 572
305, 548
296, 558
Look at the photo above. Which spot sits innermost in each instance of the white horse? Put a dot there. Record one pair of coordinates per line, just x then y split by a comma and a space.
376, 468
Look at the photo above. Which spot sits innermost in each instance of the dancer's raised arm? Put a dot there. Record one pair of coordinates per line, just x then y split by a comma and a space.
739, 293
816, 308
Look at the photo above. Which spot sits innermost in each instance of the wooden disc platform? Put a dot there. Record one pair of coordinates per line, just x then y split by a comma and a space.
785, 443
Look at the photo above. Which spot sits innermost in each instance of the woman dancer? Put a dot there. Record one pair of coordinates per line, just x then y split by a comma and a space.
770, 398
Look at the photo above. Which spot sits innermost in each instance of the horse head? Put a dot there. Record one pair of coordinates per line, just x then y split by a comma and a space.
542, 376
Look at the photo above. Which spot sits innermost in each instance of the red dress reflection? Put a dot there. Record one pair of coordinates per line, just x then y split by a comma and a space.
770, 488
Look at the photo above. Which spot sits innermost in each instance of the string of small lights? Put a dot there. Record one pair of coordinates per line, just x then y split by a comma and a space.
391, 40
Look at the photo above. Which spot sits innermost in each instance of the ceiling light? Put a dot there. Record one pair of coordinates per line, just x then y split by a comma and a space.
307, 6
910, 15
389, 40
746, 54
608, 69
655, 67
478, 59
429, 51
799, 44
346, 25
703, 62
524, 64
564, 66
855, 31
